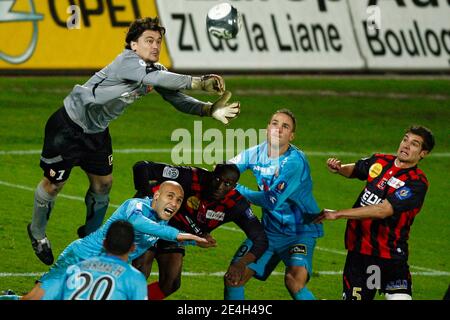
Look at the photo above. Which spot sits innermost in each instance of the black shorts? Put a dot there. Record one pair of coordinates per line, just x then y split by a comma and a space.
67, 146
365, 275
163, 246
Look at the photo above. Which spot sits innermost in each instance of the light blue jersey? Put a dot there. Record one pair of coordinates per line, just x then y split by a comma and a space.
285, 196
287, 190
103, 278
148, 228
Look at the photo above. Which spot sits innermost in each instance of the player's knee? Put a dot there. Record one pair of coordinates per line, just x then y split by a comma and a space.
227, 281
51, 188
169, 287
294, 282
102, 186
397, 296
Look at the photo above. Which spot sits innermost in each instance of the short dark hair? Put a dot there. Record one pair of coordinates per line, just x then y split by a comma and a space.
139, 26
426, 134
119, 237
288, 113
223, 167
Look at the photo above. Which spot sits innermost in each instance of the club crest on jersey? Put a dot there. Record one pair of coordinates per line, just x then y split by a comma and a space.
110, 159
395, 183
193, 202
382, 184
170, 173
52, 173
213, 215
281, 187
403, 193
375, 170
298, 249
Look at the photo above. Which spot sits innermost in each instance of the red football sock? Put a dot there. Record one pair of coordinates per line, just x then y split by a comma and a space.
154, 291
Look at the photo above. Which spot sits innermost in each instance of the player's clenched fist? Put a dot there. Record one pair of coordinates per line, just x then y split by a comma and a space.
334, 165
209, 83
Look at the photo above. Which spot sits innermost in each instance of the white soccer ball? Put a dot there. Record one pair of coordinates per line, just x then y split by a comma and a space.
223, 21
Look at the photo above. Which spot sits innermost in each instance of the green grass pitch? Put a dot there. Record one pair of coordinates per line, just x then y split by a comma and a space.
351, 117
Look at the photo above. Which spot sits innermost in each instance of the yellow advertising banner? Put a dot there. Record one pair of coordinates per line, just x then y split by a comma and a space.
67, 34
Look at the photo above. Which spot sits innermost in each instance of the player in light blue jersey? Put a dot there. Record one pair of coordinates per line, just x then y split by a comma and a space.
149, 218
108, 276
288, 205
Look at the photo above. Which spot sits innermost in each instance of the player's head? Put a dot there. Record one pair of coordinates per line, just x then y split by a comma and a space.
145, 37
168, 199
281, 128
224, 179
417, 142
119, 238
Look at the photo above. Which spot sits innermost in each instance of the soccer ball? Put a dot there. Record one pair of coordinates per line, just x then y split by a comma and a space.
223, 21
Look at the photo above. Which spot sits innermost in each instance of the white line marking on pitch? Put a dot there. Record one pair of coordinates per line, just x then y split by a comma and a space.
340, 252
221, 273
144, 151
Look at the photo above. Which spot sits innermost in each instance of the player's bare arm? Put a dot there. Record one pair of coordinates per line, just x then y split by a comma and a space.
335, 165
377, 211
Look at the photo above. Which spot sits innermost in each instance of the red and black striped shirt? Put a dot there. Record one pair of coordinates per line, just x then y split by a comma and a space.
405, 190
198, 214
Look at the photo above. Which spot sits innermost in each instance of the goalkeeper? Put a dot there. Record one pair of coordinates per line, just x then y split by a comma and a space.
77, 133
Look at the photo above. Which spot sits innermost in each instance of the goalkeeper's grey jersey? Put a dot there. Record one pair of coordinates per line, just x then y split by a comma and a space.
105, 96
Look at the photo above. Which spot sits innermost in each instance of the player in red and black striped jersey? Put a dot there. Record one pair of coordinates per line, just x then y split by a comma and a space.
210, 201
379, 223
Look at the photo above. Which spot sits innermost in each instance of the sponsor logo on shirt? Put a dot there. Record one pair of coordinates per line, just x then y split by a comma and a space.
397, 285
281, 187
369, 198
403, 193
193, 202
213, 215
375, 170
298, 249
265, 170
170, 173
395, 183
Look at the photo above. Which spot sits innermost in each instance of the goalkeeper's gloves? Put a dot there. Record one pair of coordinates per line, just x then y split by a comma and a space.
209, 83
222, 111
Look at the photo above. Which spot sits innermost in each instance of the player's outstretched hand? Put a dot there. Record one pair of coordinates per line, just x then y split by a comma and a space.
211, 242
224, 112
326, 214
188, 236
209, 83
334, 165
